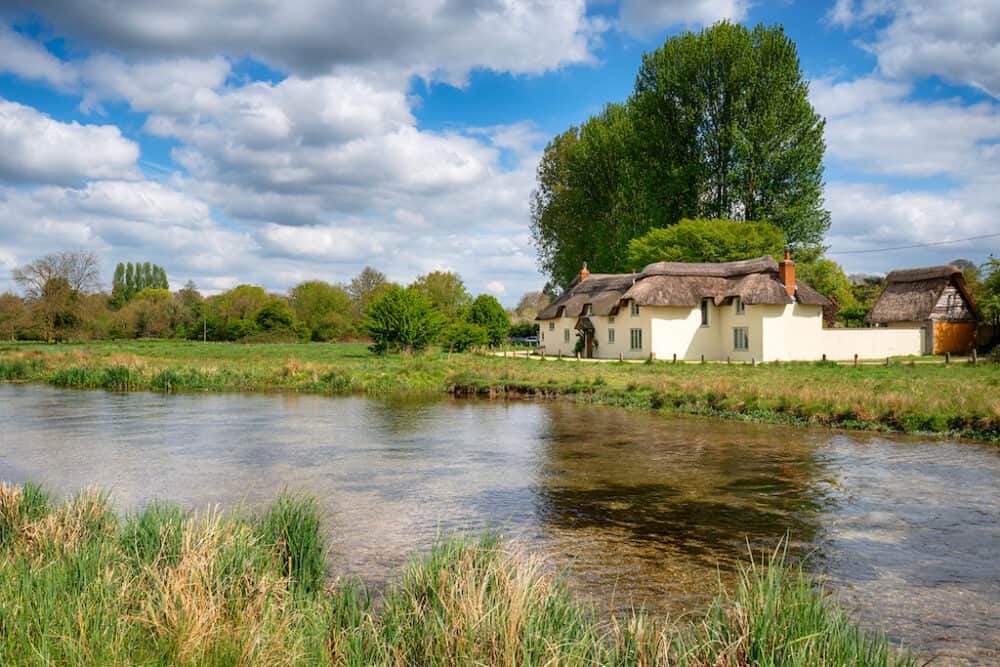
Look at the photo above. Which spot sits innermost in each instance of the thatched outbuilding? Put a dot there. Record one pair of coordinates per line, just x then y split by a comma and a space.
936, 298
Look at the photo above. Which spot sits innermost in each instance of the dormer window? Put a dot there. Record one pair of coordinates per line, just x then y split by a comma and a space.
586, 310
704, 312
738, 306
635, 309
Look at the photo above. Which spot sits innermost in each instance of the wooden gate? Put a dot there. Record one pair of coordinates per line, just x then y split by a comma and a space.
954, 337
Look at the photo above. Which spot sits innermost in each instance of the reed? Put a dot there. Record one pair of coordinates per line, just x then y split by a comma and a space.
168, 587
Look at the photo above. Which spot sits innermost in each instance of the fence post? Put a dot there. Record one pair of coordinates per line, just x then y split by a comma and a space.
675, 357
727, 358
855, 360
973, 359
621, 356
887, 362
578, 356
753, 361
824, 356
703, 358
947, 358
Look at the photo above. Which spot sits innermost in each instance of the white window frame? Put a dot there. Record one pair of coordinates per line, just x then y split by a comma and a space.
737, 333
705, 322
552, 326
635, 339
635, 309
611, 336
565, 335
738, 306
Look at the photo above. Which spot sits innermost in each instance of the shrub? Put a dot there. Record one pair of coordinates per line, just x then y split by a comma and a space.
401, 320
461, 336
487, 312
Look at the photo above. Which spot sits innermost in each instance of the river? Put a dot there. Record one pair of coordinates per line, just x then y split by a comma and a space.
636, 508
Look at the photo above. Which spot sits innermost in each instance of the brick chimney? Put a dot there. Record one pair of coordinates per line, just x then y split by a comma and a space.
584, 272
786, 272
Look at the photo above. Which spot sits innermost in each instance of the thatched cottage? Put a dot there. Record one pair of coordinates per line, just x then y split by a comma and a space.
742, 311
936, 300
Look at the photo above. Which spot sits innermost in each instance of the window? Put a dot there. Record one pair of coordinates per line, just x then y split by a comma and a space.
611, 336
552, 326
636, 339
741, 338
611, 320
566, 335
635, 309
586, 310
704, 312
738, 305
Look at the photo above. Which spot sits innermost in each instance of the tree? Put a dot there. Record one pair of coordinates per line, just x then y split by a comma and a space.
532, 303
12, 312
77, 268
461, 336
401, 320
129, 280
706, 241
445, 290
325, 309
719, 126
487, 312
366, 287
828, 278
989, 296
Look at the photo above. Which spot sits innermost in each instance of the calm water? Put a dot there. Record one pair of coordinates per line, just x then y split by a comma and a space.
637, 508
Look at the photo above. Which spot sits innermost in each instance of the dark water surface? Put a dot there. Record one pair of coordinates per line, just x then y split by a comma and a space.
638, 508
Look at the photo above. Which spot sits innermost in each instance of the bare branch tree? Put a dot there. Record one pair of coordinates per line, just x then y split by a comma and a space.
78, 268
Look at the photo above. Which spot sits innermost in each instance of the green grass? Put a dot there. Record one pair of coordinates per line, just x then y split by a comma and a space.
82, 586
959, 400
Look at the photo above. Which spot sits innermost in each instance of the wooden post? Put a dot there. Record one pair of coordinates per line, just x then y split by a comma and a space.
560, 354
753, 361
855, 360
947, 358
621, 356
650, 356
578, 356
973, 359
675, 357
888, 362
703, 358
824, 356
727, 359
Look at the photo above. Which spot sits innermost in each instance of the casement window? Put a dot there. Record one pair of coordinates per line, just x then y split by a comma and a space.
704, 312
611, 336
741, 338
611, 320
636, 339
566, 335
552, 326
635, 309
738, 306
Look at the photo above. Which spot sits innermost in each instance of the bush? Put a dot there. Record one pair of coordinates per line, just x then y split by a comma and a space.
401, 320
487, 312
462, 336
995, 355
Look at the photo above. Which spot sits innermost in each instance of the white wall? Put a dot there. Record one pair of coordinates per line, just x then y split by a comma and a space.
879, 343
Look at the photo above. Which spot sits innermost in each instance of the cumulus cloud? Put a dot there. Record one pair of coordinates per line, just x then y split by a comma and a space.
641, 17
958, 41
876, 127
429, 38
30, 60
34, 148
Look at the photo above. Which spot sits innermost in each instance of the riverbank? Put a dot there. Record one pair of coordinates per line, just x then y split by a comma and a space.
958, 400
81, 585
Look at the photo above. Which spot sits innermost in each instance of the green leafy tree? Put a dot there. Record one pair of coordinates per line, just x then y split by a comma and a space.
461, 336
706, 241
445, 290
118, 287
275, 315
401, 320
487, 312
989, 296
828, 278
325, 309
366, 287
12, 313
130, 282
719, 126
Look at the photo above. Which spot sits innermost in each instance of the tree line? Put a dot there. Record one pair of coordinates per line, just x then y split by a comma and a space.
63, 300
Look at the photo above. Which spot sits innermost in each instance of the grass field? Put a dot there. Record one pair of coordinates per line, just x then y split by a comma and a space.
959, 400
80, 585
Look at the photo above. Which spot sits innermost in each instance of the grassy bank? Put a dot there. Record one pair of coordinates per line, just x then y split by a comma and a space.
82, 586
959, 399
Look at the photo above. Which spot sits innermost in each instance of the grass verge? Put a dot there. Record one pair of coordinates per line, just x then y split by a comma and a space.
82, 586
959, 400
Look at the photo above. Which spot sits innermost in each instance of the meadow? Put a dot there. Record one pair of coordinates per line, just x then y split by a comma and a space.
81, 585
908, 396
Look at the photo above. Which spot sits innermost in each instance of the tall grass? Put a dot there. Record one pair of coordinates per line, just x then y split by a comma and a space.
79, 586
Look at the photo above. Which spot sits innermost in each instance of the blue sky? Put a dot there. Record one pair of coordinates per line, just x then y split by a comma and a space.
313, 138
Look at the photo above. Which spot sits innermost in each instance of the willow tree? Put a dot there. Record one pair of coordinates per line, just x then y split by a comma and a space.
719, 126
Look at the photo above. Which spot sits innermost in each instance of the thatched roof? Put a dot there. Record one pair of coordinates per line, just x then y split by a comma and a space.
754, 281
910, 295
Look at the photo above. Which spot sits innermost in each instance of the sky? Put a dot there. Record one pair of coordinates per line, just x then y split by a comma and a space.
277, 141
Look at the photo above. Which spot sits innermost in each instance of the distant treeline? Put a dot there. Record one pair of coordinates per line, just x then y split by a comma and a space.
63, 300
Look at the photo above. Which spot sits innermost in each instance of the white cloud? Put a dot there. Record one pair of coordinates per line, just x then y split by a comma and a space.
28, 59
642, 17
169, 86
430, 38
496, 287
873, 126
958, 41
35, 148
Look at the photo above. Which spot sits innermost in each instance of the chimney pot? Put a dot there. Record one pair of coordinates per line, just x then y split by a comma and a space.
584, 272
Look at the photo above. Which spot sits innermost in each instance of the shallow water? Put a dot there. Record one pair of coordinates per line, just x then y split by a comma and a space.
639, 509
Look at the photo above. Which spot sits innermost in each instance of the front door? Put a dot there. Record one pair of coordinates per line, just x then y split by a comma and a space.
589, 343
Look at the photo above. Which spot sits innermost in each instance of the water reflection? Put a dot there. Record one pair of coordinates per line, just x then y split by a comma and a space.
639, 509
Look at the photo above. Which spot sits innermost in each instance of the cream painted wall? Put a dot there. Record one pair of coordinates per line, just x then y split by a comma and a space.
841, 344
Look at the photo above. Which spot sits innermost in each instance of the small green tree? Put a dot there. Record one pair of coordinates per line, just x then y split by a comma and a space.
461, 336
706, 241
325, 309
401, 320
445, 290
487, 312
275, 315
989, 299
